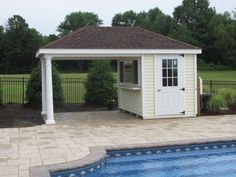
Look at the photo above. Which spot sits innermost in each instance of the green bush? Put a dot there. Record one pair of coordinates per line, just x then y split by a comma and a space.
34, 91
215, 103
229, 94
99, 85
222, 98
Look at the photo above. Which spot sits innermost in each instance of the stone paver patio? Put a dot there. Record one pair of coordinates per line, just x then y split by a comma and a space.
74, 133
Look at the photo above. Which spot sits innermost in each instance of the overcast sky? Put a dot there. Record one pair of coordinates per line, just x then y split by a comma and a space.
45, 15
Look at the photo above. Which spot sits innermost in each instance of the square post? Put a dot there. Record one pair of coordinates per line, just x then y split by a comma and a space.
49, 92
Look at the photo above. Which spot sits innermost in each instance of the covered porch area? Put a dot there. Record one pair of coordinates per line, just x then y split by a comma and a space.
47, 84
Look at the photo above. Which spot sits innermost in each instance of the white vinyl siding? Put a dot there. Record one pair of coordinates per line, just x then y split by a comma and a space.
189, 85
148, 86
142, 102
130, 100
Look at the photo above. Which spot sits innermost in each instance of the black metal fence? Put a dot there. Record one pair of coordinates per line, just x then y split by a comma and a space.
213, 85
14, 90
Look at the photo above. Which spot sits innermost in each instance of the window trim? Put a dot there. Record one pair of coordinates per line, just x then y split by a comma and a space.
138, 73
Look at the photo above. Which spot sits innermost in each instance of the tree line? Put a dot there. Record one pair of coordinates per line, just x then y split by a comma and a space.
194, 22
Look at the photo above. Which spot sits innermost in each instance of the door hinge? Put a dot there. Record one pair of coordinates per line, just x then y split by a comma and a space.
183, 89
182, 112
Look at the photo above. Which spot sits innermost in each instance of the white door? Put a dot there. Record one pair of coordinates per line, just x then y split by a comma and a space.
170, 90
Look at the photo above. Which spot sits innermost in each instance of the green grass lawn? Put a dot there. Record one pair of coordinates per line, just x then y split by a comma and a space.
218, 75
74, 90
206, 75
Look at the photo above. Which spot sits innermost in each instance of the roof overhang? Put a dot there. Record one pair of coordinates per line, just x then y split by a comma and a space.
67, 53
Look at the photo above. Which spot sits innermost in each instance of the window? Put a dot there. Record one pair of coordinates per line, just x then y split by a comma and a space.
169, 72
129, 71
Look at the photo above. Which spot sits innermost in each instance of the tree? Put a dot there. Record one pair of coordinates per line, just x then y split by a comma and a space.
154, 20
126, 19
195, 14
21, 44
157, 21
49, 38
99, 85
1, 49
73, 22
34, 91
221, 46
77, 20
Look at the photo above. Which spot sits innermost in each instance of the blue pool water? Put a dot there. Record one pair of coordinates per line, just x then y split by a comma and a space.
209, 160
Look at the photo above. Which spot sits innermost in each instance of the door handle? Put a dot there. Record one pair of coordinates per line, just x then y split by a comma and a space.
159, 90
183, 89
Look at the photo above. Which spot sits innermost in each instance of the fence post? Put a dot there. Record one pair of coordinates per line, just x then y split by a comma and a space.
199, 85
210, 86
23, 92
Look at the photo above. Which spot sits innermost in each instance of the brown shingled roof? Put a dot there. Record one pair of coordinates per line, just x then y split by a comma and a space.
116, 38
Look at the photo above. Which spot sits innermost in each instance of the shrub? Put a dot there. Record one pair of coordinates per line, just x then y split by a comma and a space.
215, 103
229, 94
221, 98
99, 85
34, 90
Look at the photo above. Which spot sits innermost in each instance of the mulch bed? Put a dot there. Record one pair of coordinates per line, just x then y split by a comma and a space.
225, 112
14, 116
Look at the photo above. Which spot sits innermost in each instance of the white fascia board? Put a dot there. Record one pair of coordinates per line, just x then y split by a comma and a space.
112, 52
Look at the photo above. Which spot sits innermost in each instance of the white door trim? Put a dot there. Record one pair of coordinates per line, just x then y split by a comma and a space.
157, 57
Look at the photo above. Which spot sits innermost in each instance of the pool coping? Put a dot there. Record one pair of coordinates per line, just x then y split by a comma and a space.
98, 153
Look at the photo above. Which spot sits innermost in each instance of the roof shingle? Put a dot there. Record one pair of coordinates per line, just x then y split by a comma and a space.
116, 38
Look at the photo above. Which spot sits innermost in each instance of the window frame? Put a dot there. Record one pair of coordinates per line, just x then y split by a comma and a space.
122, 80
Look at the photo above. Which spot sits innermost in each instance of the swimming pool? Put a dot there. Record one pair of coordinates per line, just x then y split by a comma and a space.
210, 159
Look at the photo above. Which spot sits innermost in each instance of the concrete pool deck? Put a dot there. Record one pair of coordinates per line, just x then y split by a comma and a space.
74, 133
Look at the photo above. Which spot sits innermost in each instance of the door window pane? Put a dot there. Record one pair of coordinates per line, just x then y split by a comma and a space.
164, 63
175, 72
170, 63
175, 83
170, 82
175, 63
164, 72
164, 82
169, 72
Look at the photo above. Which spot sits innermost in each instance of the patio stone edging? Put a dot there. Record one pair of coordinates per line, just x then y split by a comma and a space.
99, 152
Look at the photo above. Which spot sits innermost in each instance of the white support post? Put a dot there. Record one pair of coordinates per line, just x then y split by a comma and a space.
43, 79
201, 88
49, 92
195, 85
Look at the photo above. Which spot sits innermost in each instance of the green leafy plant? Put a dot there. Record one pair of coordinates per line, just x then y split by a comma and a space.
99, 85
34, 91
221, 98
215, 103
229, 94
